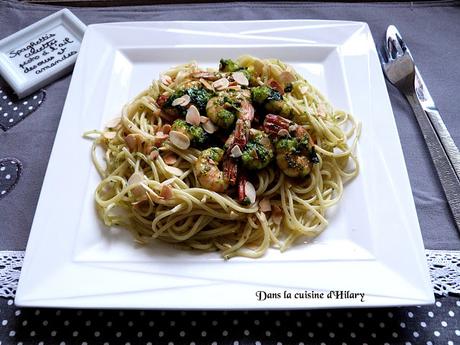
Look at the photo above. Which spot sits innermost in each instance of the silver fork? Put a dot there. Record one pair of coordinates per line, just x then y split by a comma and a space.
399, 69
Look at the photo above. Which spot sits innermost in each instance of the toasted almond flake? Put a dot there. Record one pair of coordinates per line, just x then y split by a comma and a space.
206, 84
240, 78
250, 192
180, 140
112, 123
286, 77
110, 135
131, 140
283, 132
148, 148
160, 137
277, 215
221, 84
154, 155
166, 192
137, 178
304, 90
170, 158
204, 119
166, 128
174, 171
166, 79
236, 152
264, 205
193, 116
205, 75
209, 127
182, 101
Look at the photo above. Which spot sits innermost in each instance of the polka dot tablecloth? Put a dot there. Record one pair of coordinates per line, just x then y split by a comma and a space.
14, 110
436, 324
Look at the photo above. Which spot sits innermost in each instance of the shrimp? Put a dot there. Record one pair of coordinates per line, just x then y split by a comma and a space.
238, 138
271, 100
258, 152
207, 170
226, 107
295, 152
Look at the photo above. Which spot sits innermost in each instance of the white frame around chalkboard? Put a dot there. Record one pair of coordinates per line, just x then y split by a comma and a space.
23, 84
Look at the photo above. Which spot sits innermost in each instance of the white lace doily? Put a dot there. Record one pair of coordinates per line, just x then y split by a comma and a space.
444, 270
10, 268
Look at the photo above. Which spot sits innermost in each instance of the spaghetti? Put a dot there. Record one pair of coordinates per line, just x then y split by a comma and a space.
238, 160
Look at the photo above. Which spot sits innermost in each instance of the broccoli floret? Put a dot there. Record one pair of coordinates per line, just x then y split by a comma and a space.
263, 94
199, 97
228, 65
196, 134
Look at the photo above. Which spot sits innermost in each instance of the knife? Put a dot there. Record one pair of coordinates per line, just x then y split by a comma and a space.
432, 112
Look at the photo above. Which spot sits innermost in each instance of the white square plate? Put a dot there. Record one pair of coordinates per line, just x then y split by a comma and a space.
372, 245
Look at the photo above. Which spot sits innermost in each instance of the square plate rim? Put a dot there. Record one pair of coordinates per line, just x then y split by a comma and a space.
21, 298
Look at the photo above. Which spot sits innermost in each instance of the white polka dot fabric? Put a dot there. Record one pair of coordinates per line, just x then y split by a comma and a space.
436, 324
10, 172
14, 110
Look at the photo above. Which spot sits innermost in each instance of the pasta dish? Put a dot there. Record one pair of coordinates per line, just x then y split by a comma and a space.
236, 159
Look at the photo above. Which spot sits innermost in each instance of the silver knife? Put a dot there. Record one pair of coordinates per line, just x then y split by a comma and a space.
428, 105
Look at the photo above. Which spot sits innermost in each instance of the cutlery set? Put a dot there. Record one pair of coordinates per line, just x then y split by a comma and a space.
400, 70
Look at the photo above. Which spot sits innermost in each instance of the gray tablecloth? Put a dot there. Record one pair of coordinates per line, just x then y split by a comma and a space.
432, 31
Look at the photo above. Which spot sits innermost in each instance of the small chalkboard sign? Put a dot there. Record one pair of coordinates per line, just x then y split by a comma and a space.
41, 53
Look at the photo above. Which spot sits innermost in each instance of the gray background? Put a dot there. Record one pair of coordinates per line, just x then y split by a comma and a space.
431, 30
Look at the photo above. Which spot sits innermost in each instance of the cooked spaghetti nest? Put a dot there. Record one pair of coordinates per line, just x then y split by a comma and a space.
239, 159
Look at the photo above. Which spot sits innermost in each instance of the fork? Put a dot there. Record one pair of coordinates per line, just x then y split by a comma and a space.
399, 69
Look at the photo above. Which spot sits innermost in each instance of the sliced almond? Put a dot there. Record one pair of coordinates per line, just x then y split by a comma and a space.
137, 178
236, 152
209, 127
206, 84
277, 215
180, 140
286, 77
132, 141
240, 78
193, 116
204, 119
174, 171
160, 137
112, 123
250, 192
221, 84
148, 147
154, 155
182, 101
166, 79
166, 128
166, 192
264, 205
170, 158
283, 132
109, 135
205, 75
